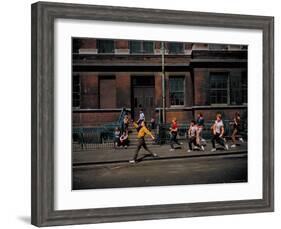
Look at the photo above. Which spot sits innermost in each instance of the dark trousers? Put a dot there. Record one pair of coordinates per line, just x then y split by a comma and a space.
192, 140
218, 139
173, 139
141, 143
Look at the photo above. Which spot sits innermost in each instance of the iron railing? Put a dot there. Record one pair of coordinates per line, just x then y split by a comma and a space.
103, 137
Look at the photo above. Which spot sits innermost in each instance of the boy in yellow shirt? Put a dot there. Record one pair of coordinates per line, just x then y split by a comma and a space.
142, 131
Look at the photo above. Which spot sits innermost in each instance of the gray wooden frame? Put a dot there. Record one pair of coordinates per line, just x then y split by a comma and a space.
43, 16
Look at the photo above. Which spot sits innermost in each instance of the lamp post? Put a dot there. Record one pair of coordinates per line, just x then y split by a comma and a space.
163, 83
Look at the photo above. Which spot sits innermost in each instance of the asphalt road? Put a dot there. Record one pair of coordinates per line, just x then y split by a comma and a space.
178, 171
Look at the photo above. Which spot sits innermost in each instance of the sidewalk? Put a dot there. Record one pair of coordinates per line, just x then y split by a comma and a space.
120, 155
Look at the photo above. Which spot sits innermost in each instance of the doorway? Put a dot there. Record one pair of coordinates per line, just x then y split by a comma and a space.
143, 96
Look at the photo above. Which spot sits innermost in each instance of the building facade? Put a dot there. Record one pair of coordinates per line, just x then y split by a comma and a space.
109, 75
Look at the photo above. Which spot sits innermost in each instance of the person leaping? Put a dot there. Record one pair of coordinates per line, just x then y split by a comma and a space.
142, 132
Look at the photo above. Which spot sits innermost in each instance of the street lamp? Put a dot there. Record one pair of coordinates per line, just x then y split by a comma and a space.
163, 82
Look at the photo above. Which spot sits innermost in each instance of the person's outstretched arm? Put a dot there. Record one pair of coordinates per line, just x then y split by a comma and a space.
148, 133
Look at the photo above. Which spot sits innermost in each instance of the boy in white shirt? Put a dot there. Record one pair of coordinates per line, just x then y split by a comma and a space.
193, 135
141, 117
218, 131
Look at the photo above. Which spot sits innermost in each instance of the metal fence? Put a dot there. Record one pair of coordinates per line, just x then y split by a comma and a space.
103, 137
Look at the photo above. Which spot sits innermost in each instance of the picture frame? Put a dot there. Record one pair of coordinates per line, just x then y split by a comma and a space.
44, 15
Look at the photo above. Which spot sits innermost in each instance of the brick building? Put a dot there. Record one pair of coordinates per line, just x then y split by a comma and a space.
111, 74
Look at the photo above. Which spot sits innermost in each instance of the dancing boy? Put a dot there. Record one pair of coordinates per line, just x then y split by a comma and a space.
218, 131
173, 134
193, 134
236, 127
200, 126
142, 131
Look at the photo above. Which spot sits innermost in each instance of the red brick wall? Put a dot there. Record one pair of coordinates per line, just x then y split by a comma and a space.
201, 81
158, 90
123, 90
188, 90
122, 44
88, 43
94, 118
182, 116
89, 91
107, 92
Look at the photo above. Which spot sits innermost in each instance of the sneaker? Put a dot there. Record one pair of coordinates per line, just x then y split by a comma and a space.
132, 162
196, 147
241, 140
226, 147
202, 148
233, 146
154, 155
189, 151
126, 147
213, 150
181, 143
172, 149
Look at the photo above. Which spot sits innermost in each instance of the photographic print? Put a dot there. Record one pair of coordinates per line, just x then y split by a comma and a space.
176, 104
158, 113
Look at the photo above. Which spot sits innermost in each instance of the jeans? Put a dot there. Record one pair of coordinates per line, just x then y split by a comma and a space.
194, 141
173, 139
218, 139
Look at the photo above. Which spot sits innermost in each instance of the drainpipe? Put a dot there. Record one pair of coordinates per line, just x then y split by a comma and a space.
163, 83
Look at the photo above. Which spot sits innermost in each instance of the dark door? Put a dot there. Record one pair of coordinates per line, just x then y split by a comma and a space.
107, 93
143, 96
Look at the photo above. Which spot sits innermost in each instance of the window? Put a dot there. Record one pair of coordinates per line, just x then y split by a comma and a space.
146, 80
141, 46
176, 47
219, 88
105, 46
176, 90
76, 91
218, 47
228, 89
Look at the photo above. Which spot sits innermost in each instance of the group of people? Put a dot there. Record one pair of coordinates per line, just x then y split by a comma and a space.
194, 133
121, 136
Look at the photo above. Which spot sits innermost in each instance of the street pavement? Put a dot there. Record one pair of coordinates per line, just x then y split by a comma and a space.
110, 168
118, 155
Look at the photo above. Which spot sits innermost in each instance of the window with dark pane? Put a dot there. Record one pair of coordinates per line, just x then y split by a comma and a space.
143, 80
218, 47
176, 90
176, 47
218, 88
148, 47
76, 91
141, 46
135, 46
105, 46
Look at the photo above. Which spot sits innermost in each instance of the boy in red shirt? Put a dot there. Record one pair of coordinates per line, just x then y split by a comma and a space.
173, 134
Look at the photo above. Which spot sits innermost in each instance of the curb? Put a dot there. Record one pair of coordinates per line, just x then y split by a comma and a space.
144, 158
